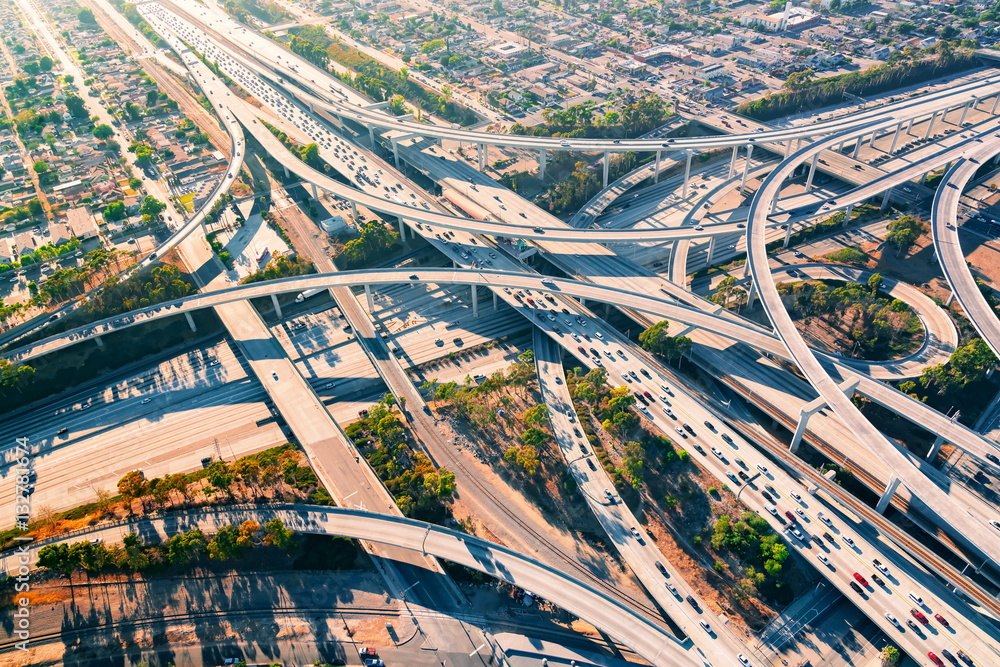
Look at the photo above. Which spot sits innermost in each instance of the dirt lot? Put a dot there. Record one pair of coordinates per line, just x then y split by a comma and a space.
984, 256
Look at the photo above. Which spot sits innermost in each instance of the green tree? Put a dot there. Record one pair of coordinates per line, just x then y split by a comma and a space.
151, 207
185, 547
275, 534
103, 132
114, 211
890, 656
132, 485
432, 46
40, 167
76, 106
536, 416
874, 283
84, 15
634, 462
656, 340
223, 545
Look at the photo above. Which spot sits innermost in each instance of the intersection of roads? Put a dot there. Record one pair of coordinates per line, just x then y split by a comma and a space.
830, 529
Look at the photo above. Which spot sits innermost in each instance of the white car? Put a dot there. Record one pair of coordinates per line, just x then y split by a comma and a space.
796, 496
892, 619
823, 559
743, 659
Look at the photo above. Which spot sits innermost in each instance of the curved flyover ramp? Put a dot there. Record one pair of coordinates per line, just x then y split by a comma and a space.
654, 643
970, 530
944, 230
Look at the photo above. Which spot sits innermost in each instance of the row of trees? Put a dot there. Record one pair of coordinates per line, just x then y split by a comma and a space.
585, 120
281, 266
250, 477
230, 542
421, 491
583, 183
969, 363
880, 327
478, 404
372, 77
906, 67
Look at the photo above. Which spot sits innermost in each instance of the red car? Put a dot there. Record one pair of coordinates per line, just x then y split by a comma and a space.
940, 619
919, 616
861, 580
936, 660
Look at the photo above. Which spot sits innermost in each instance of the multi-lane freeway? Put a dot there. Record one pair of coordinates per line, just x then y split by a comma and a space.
296, 96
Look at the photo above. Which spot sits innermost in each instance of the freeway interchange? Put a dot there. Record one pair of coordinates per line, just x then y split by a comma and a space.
854, 540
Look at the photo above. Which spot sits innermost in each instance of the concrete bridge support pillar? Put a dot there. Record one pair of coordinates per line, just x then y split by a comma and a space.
812, 172
402, 230
656, 168
395, 151
607, 167
895, 138
950, 300
995, 103
752, 295
886, 498
847, 214
711, 248
371, 137
687, 173
287, 174
541, 164
788, 235
909, 125
315, 191
746, 167
885, 199
354, 210
969, 105
475, 300
190, 321
368, 298
100, 343
277, 306
857, 148
930, 125
871, 143
800, 429
935, 448
732, 162
494, 302
481, 154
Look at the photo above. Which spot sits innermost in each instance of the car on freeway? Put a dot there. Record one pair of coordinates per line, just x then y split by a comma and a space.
825, 519
663, 570
878, 580
913, 626
762, 469
367, 651
848, 541
718, 454
892, 619
706, 626
743, 659
681, 432
941, 619
796, 496
919, 615
672, 589
857, 588
374, 662
916, 598
637, 535
590, 464
930, 654
823, 559
860, 579
879, 566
